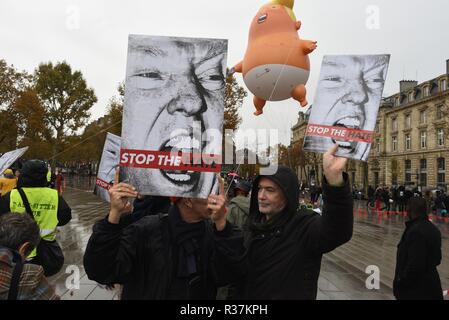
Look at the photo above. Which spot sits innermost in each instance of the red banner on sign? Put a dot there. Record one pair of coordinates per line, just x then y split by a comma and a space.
340, 133
166, 160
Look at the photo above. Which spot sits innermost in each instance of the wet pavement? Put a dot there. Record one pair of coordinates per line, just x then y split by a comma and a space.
342, 274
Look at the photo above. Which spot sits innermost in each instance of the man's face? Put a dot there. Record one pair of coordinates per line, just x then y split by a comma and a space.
270, 197
176, 90
351, 87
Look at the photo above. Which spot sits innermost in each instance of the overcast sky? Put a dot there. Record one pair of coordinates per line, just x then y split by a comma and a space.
92, 37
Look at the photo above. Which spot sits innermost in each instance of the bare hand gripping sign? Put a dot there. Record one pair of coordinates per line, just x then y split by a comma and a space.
346, 104
173, 115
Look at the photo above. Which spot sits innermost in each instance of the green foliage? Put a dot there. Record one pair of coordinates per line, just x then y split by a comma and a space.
12, 83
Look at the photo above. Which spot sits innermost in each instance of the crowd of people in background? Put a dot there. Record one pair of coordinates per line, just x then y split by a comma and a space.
265, 210
395, 198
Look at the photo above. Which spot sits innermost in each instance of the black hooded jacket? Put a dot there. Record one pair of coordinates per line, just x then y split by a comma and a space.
281, 258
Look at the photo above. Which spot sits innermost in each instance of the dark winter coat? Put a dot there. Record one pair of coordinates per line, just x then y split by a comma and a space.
282, 259
64, 212
141, 256
418, 255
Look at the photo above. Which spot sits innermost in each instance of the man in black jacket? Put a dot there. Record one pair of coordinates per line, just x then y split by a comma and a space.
158, 256
280, 255
419, 254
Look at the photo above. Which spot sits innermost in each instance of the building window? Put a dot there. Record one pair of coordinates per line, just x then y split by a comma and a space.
440, 137
411, 96
423, 172
408, 142
394, 143
378, 145
423, 179
377, 127
394, 124
397, 101
422, 117
408, 171
439, 113
408, 164
408, 121
423, 139
441, 164
443, 85
441, 180
426, 91
353, 177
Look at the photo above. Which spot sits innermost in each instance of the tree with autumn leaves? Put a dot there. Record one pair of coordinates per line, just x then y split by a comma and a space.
42, 110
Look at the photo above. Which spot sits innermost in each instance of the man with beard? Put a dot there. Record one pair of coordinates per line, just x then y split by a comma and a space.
174, 102
279, 256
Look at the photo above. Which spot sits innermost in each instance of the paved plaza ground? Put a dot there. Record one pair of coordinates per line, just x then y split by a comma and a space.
342, 271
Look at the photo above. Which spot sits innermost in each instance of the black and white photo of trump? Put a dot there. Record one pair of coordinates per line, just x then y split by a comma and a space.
174, 103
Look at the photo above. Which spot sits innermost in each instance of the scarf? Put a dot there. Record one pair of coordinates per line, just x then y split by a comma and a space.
187, 238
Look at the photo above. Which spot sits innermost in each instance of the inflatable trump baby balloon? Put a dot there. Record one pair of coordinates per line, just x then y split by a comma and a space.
276, 65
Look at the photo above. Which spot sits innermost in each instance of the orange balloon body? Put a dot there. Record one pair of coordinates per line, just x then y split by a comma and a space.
276, 65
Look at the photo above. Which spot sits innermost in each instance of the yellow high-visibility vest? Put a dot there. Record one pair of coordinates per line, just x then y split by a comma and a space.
44, 204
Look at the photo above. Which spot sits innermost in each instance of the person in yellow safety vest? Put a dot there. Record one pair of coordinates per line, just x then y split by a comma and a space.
49, 209
7, 183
